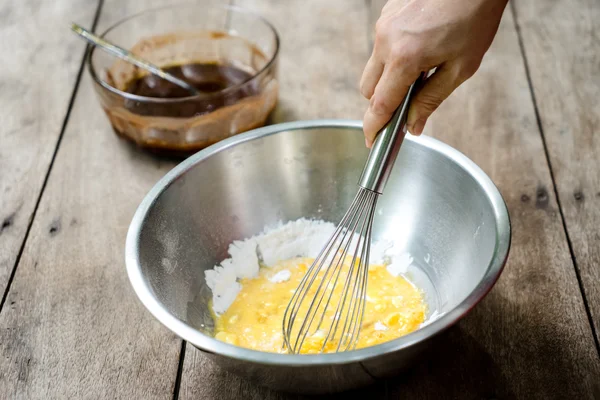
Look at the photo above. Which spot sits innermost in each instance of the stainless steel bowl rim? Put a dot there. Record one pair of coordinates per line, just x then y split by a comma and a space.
211, 345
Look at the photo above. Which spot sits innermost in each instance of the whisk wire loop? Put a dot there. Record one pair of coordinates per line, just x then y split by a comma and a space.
352, 236
351, 307
359, 290
308, 279
345, 341
338, 314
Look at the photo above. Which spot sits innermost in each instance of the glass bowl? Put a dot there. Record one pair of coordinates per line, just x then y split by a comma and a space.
200, 39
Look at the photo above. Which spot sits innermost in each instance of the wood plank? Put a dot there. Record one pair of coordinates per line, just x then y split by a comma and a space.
320, 67
320, 62
202, 379
562, 46
74, 280
73, 328
375, 8
530, 338
39, 70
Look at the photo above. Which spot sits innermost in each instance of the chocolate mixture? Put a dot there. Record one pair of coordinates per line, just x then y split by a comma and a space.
207, 78
167, 119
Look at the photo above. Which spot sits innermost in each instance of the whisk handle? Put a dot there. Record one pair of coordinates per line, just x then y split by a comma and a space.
387, 145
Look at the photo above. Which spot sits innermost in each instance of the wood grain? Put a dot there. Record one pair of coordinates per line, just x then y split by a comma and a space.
72, 327
562, 45
375, 7
202, 379
40, 60
320, 67
530, 338
321, 61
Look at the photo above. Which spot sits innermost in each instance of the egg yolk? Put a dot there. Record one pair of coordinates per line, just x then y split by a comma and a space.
394, 307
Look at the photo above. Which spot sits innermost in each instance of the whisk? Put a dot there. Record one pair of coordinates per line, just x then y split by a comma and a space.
316, 316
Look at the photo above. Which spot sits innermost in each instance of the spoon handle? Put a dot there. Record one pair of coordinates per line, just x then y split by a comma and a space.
129, 57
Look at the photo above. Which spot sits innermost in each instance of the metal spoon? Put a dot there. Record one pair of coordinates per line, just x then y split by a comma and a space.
129, 57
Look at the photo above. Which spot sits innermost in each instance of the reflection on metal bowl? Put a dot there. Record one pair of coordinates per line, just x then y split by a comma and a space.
438, 205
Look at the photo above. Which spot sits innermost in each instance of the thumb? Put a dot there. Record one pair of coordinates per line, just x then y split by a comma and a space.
431, 94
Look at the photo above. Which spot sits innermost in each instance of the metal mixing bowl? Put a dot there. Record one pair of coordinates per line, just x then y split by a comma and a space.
438, 205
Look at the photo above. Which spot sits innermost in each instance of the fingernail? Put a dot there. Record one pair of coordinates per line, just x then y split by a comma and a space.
418, 127
367, 143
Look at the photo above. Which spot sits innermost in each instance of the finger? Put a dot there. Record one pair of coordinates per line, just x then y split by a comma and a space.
370, 76
434, 91
389, 92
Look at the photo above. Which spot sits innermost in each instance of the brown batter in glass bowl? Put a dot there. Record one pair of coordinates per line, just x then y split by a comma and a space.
228, 54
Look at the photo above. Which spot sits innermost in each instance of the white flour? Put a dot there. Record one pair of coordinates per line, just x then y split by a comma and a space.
300, 238
281, 276
380, 327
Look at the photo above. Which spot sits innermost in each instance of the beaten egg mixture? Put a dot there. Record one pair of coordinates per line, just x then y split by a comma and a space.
394, 307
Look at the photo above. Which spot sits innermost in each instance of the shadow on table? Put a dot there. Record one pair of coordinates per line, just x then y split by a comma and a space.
457, 367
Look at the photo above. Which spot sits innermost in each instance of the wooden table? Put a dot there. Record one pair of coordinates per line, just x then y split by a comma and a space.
71, 326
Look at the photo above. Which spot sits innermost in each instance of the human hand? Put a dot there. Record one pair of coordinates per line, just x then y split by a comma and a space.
414, 36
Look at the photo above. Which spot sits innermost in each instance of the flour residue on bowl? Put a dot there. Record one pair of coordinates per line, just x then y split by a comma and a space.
299, 238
